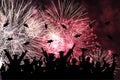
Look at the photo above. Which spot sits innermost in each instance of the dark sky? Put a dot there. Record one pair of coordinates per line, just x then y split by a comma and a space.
107, 26
107, 16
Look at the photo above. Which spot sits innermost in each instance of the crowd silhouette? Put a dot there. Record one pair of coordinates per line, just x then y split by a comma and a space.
64, 67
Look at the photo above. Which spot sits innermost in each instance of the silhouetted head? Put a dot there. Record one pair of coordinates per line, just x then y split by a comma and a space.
88, 59
15, 56
51, 56
93, 63
107, 65
61, 53
3, 64
34, 58
74, 61
98, 64
40, 63
26, 61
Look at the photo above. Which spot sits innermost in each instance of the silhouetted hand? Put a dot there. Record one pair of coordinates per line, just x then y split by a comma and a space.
73, 46
26, 51
5, 50
42, 49
70, 52
8, 55
83, 49
45, 53
40, 58
79, 58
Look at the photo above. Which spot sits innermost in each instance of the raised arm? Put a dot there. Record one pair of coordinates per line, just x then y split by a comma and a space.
8, 55
45, 53
83, 55
22, 56
69, 52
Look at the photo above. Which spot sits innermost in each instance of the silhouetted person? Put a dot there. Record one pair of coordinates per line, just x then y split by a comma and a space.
61, 62
65, 67
3, 70
74, 69
98, 71
14, 65
38, 69
50, 65
27, 69
85, 65
108, 73
34, 63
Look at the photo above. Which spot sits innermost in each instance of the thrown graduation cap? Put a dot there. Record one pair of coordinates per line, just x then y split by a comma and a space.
107, 22
6, 24
90, 25
10, 39
50, 41
26, 25
63, 26
77, 35
110, 37
46, 26
26, 43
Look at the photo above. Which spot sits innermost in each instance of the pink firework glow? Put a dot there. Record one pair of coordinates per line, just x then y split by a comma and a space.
55, 28
65, 23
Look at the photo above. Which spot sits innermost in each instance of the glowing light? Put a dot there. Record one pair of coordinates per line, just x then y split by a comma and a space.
110, 52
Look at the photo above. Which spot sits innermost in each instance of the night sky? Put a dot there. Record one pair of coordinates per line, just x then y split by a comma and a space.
107, 26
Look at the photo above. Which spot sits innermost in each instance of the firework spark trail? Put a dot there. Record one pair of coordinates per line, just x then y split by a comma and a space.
65, 9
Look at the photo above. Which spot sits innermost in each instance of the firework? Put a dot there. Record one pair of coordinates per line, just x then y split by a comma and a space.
66, 19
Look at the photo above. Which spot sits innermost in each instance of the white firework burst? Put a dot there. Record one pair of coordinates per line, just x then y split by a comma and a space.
14, 15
